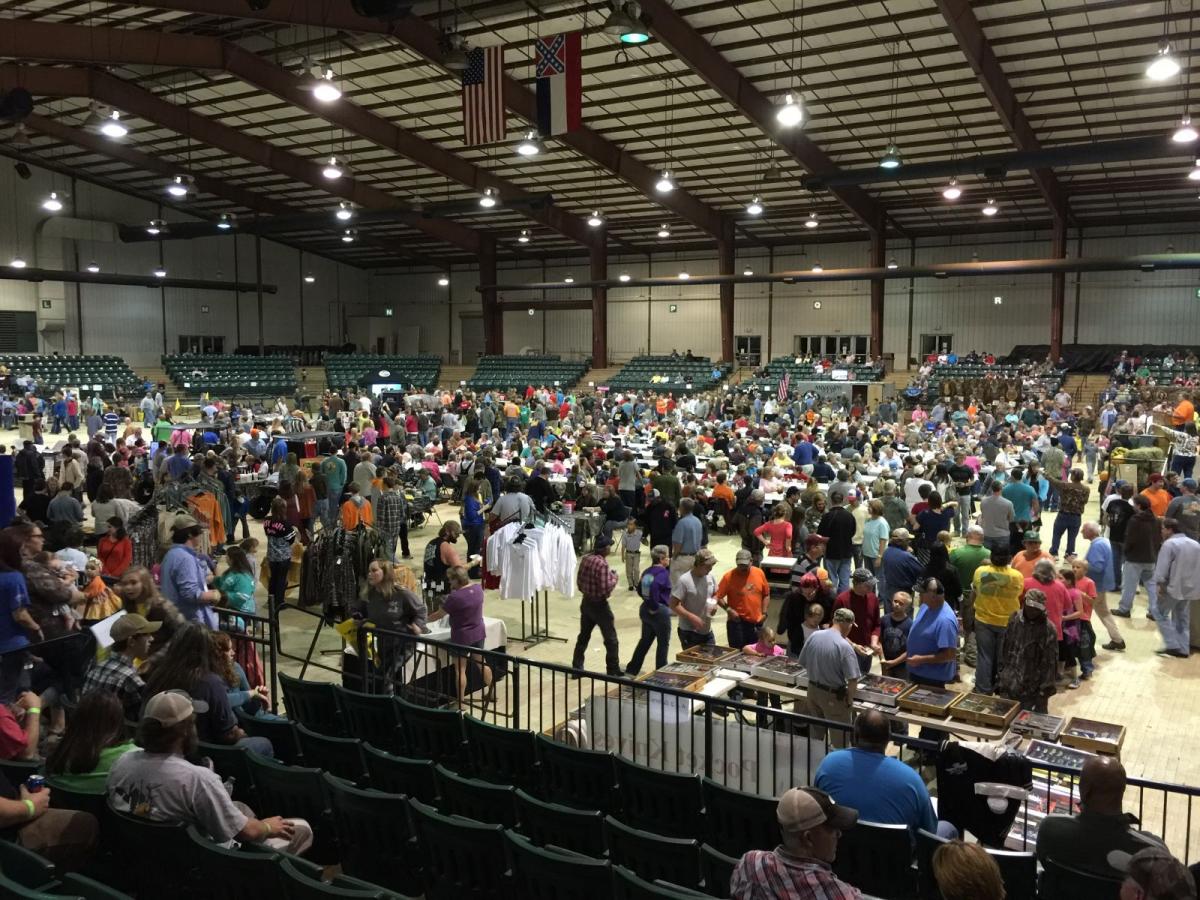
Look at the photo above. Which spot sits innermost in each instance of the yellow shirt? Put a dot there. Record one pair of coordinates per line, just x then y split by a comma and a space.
997, 593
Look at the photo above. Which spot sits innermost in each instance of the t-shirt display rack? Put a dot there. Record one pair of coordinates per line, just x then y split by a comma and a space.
537, 629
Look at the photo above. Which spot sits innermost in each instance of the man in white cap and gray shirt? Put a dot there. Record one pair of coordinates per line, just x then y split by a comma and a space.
800, 868
833, 673
159, 784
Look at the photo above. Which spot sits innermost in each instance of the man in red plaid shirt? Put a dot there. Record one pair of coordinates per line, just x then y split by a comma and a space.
596, 580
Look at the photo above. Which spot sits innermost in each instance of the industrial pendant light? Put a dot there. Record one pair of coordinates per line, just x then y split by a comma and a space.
309, 278
1164, 65
20, 137
454, 51
349, 235
333, 169
17, 262
1185, 132
890, 158
156, 226
665, 183
530, 145
160, 272
94, 120
323, 86
664, 230
1194, 175
811, 221
990, 208
225, 221
93, 267
180, 186
817, 267
113, 127
952, 191
53, 203
747, 272
569, 279
345, 211
892, 264
595, 219
791, 110
623, 23
523, 237
444, 281
754, 207
623, 277
684, 276
488, 198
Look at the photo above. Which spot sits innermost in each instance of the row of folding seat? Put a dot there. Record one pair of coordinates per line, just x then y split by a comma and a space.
518, 371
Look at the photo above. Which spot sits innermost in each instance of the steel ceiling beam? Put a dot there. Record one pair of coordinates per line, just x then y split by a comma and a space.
723, 77
423, 39
208, 185
975, 47
146, 281
135, 100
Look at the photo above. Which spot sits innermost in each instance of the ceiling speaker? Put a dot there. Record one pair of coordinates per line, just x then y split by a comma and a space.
15, 105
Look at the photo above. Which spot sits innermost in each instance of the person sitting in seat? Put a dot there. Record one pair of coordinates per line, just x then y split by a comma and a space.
159, 784
880, 787
800, 868
1154, 874
967, 872
1088, 841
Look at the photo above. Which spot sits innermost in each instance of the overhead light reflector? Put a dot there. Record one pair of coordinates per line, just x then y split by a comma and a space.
17, 262
309, 278
623, 24
332, 169
523, 237
595, 219
53, 203
444, 281
623, 277
754, 207
530, 145
664, 230
160, 272
1185, 132
791, 111
811, 221
113, 127
665, 183
990, 208
1164, 65
952, 191
488, 198
890, 158
345, 211
93, 267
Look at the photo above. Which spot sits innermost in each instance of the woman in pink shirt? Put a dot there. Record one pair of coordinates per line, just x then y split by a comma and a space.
777, 533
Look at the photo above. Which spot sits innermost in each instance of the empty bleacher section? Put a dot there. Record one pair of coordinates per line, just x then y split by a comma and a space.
984, 383
806, 371
231, 375
87, 373
509, 372
677, 374
343, 370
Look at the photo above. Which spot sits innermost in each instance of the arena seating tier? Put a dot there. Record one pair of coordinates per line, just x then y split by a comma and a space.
343, 370
804, 372
86, 373
231, 375
676, 374
974, 379
512, 372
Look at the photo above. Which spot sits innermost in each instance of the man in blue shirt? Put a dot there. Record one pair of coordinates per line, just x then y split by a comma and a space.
879, 786
686, 539
180, 464
1023, 498
932, 642
803, 453
185, 574
899, 567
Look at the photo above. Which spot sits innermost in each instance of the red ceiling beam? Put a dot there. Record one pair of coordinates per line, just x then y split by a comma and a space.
723, 77
975, 47
205, 183
422, 38
132, 99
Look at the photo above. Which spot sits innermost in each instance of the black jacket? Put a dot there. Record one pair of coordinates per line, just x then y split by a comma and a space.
838, 525
1143, 537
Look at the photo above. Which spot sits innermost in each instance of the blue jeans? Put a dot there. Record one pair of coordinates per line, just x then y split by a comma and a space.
260, 745
656, 626
839, 573
964, 512
989, 648
1133, 574
1118, 562
740, 632
694, 638
1174, 617
1068, 523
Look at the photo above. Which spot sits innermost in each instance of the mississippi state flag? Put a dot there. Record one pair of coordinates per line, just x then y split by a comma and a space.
559, 83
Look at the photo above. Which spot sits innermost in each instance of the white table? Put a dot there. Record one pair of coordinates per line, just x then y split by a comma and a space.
429, 660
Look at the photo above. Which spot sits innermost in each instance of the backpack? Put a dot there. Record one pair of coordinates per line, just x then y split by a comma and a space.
645, 580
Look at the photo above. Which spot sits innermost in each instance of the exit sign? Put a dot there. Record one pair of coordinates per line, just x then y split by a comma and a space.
674, 308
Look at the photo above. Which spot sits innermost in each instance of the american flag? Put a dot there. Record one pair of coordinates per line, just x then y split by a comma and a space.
785, 384
483, 96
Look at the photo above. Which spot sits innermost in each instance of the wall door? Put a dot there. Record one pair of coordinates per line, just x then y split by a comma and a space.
936, 343
472, 339
749, 349
18, 332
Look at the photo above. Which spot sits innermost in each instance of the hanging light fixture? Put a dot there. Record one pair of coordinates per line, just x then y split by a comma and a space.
93, 267
113, 127
345, 211
488, 198
817, 267
95, 118
180, 186
160, 272
684, 276
322, 85
790, 113
754, 207
747, 272
990, 208
309, 278
952, 191
523, 237
624, 24
664, 230
811, 221
444, 281
1194, 175
890, 158
530, 145
17, 262
1185, 132
349, 235
225, 221
623, 277
332, 169
1164, 65
892, 264
156, 226
53, 203
595, 219
20, 137
569, 279
665, 183
454, 51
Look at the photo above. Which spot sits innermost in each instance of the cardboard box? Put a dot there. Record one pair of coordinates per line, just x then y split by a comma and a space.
1056, 755
781, 670
880, 689
928, 700
1042, 726
706, 654
983, 709
1089, 734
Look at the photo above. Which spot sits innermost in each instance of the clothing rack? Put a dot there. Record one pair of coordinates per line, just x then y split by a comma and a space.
538, 629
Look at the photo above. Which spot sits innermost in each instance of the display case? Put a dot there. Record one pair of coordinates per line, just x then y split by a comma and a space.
744, 662
781, 670
1042, 726
1088, 734
1057, 755
680, 681
695, 670
984, 709
928, 700
880, 689
707, 654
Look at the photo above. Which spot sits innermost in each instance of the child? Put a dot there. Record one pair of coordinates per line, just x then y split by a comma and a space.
101, 601
812, 620
1068, 648
1087, 637
631, 549
236, 585
765, 645
249, 546
893, 637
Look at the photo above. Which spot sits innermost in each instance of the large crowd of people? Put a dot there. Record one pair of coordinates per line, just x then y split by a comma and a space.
915, 539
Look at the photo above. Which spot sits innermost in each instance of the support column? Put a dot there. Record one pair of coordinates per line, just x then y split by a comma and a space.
1058, 283
493, 317
599, 265
878, 261
725, 263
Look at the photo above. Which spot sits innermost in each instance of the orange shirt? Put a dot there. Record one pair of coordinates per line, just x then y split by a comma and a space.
1159, 499
746, 592
1024, 564
1183, 413
723, 492
353, 515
